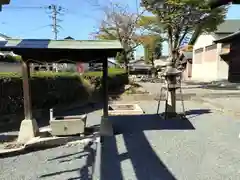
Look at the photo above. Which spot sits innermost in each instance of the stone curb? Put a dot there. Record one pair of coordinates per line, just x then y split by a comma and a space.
38, 143
9, 152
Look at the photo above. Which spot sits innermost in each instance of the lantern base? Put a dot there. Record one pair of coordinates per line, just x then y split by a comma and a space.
169, 116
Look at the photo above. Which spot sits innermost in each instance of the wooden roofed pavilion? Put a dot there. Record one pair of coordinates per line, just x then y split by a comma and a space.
46, 50
52, 51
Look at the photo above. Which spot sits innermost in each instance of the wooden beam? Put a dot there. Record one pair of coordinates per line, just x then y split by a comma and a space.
106, 128
26, 90
2, 2
53, 55
105, 87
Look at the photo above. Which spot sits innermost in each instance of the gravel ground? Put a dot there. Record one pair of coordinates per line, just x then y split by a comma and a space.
227, 103
63, 163
204, 147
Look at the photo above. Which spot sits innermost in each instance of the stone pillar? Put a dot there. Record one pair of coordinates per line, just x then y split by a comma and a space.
106, 126
29, 127
170, 111
171, 75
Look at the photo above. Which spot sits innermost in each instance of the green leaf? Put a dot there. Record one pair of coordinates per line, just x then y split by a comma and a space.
178, 19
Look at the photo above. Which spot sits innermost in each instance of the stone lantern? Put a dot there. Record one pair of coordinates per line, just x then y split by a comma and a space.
171, 76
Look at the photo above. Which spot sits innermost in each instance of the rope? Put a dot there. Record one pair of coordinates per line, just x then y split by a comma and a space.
58, 61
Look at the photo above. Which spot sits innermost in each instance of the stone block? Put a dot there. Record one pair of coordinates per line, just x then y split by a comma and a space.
124, 109
68, 125
106, 128
28, 130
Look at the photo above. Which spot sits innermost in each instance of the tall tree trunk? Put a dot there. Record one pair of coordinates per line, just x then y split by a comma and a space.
152, 60
125, 55
125, 59
170, 44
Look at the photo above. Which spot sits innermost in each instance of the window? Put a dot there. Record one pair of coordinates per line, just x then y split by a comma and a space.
200, 50
211, 47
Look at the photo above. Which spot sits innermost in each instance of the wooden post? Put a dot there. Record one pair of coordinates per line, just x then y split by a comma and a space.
105, 88
26, 91
106, 125
29, 128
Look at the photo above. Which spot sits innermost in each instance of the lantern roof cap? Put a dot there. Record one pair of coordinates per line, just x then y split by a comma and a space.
171, 71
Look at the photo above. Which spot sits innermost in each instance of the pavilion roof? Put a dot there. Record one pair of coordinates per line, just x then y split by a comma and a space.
53, 50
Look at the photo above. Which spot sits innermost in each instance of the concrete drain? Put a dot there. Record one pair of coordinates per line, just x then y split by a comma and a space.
124, 109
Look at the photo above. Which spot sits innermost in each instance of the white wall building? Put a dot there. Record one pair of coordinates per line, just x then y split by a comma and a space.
207, 64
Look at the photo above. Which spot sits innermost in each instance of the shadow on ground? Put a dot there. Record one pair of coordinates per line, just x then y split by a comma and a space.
145, 162
11, 123
197, 112
7, 138
139, 123
85, 172
43, 119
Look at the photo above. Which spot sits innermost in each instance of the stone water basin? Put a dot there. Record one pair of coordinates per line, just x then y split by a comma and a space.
68, 125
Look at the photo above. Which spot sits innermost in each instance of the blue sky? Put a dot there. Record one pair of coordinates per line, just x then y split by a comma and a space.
29, 18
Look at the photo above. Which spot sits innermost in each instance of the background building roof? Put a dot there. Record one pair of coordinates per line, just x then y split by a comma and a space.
228, 38
228, 26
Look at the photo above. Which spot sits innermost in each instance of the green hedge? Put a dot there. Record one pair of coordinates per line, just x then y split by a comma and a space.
117, 78
49, 89
111, 72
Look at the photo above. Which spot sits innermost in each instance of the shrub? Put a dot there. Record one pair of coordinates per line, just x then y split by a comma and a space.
47, 90
50, 88
117, 78
111, 72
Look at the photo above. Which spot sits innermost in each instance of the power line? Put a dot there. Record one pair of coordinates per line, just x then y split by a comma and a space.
23, 7
55, 12
35, 29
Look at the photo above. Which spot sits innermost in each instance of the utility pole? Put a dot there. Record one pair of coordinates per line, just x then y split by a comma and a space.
54, 17
55, 11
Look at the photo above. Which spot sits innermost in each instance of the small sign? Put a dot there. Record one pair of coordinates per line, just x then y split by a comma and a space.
80, 68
